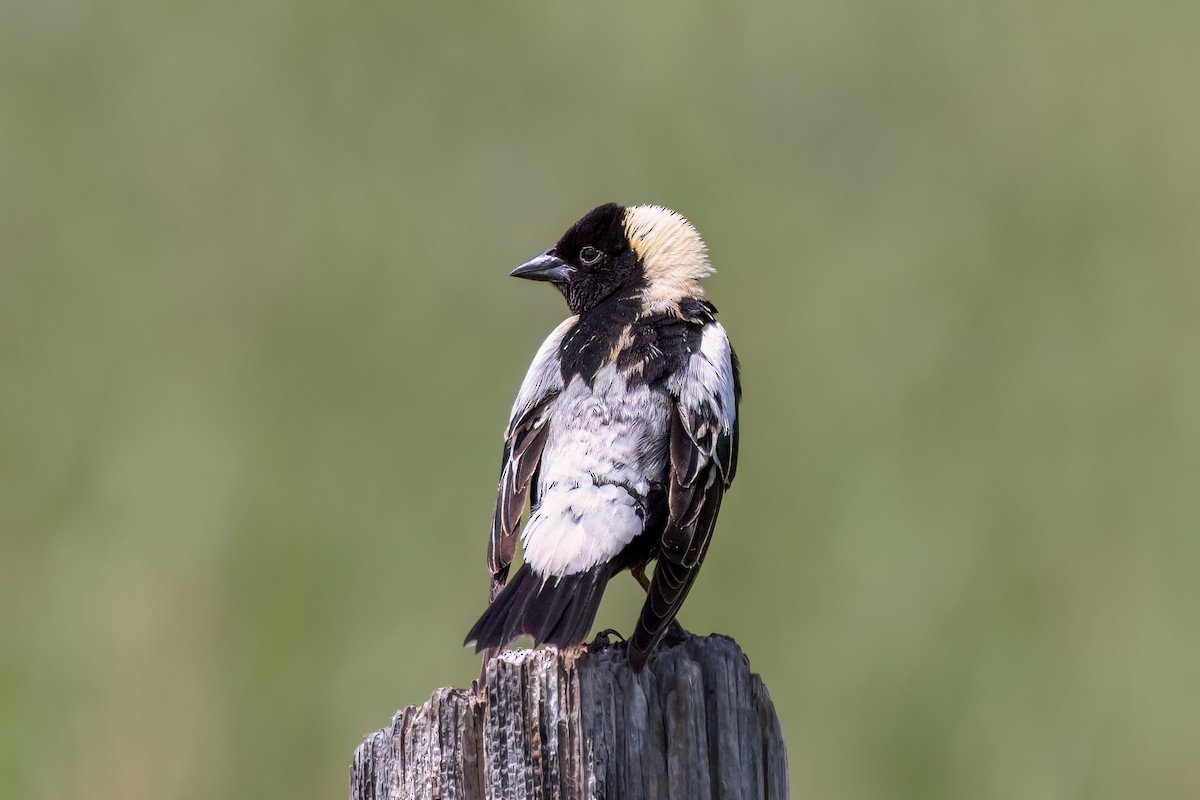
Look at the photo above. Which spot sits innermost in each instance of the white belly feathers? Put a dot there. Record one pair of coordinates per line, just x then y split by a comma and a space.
604, 448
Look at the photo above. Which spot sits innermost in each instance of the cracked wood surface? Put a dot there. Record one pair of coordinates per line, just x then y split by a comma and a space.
695, 724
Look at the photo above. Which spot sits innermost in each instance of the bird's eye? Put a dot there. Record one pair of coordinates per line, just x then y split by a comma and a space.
589, 255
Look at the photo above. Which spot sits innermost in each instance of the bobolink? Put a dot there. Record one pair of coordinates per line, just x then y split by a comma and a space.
625, 434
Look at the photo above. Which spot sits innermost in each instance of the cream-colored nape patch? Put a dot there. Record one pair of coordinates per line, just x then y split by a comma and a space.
674, 256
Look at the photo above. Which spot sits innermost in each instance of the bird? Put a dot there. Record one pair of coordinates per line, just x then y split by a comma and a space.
623, 437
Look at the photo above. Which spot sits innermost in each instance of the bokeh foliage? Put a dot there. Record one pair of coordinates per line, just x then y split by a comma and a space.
257, 348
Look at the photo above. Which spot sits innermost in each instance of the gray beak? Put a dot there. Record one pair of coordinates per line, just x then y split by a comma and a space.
544, 268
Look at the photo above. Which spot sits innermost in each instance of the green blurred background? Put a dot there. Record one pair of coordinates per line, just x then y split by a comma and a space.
257, 348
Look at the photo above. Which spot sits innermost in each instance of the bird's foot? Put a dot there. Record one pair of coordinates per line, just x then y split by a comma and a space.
603, 640
639, 575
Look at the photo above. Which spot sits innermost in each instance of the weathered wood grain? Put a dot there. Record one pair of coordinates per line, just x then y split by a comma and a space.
695, 724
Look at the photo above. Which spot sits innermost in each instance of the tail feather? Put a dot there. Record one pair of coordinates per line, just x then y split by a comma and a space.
577, 617
555, 611
542, 615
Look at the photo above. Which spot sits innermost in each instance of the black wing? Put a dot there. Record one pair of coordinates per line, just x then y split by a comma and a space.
528, 428
523, 445
703, 460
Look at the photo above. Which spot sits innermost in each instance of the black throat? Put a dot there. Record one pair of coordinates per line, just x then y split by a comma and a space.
590, 344
654, 347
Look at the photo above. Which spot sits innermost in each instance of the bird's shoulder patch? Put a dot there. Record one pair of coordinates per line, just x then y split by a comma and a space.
543, 379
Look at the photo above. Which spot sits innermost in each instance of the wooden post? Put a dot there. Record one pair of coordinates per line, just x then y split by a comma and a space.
695, 724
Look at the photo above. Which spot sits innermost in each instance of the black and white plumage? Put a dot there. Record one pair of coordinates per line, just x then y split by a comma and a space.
623, 437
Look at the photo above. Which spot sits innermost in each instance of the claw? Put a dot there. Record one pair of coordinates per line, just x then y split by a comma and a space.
603, 639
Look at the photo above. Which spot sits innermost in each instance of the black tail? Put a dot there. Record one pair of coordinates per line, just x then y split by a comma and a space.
558, 612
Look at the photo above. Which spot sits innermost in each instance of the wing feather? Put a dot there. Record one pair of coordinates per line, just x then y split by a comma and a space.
703, 453
524, 440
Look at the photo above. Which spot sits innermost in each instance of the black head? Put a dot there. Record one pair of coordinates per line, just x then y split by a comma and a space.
591, 261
